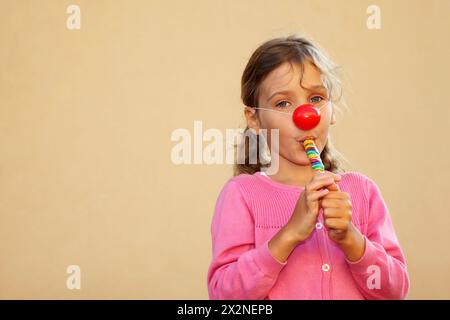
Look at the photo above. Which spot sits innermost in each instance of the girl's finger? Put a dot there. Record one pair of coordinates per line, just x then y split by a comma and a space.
333, 187
339, 195
336, 233
335, 176
331, 203
332, 212
316, 195
320, 182
335, 224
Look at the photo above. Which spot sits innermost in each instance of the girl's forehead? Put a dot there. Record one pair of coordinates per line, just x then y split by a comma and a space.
289, 74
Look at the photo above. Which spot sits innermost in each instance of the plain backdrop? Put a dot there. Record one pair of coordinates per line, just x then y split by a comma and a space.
86, 117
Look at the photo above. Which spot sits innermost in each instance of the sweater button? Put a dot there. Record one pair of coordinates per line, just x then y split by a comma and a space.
325, 267
319, 225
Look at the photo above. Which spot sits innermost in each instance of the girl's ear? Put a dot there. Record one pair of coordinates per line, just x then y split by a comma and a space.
252, 118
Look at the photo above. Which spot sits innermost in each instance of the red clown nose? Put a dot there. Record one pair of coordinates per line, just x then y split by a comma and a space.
306, 117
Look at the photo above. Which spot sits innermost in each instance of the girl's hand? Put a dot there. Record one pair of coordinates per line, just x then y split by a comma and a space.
337, 214
303, 219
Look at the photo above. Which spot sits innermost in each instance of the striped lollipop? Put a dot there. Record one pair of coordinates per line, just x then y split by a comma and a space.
313, 155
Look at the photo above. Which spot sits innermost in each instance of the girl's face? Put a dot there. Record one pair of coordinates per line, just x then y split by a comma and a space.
281, 90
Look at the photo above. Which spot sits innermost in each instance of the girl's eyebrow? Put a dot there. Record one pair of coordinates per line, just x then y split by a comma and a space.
279, 92
311, 88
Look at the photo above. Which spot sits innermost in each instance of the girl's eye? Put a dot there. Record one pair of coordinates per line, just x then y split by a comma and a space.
282, 104
315, 100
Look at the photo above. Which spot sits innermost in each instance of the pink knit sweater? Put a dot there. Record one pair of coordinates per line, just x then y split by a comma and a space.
252, 208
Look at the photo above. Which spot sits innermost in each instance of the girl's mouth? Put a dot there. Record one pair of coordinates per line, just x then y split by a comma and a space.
306, 138
301, 140
302, 146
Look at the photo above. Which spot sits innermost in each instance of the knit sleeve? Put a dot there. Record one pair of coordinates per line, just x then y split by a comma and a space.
238, 269
381, 272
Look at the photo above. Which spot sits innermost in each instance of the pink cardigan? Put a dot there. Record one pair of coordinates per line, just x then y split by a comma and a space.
252, 208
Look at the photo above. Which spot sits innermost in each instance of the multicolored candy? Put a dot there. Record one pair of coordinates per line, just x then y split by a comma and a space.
313, 155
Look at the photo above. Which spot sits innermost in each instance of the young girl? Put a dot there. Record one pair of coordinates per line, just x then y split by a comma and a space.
299, 233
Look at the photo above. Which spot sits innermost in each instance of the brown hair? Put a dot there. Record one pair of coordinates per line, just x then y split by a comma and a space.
268, 57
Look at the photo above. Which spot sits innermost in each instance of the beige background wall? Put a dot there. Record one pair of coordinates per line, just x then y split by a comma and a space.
86, 116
